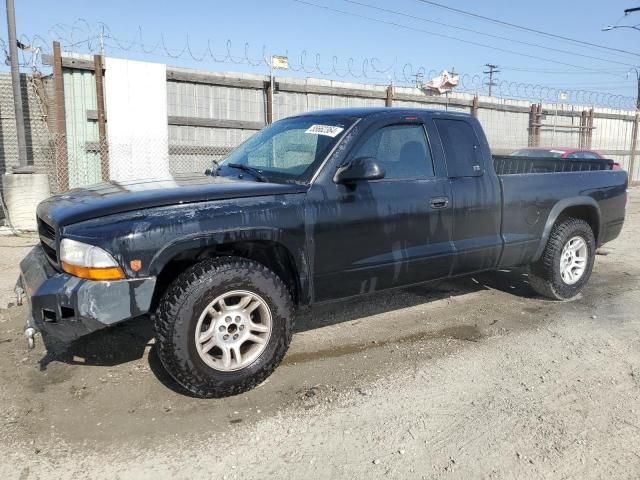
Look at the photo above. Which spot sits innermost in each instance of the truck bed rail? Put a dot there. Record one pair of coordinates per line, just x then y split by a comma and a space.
511, 165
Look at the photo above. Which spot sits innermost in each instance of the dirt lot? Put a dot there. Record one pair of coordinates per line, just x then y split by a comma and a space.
473, 378
12, 249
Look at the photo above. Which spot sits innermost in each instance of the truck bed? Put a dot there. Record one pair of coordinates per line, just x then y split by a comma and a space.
534, 196
511, 165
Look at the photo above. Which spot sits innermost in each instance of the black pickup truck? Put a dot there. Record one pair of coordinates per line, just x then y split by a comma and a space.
317, 207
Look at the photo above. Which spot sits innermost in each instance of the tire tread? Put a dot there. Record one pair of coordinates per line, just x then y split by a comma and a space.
168, 311
542, 273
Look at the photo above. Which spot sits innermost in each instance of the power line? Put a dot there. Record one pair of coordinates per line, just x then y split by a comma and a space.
627, 12
528, 29
603, 86
440, 35
565, 72
477, 32
578, 82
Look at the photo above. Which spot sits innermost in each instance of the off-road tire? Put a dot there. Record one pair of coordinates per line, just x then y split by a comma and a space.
544, 275
180, 307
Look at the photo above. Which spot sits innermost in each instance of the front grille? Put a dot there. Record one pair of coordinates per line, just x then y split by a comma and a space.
48, 240
50, 252
46, 230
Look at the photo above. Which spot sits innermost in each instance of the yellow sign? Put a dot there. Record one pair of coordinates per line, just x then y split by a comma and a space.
279, 62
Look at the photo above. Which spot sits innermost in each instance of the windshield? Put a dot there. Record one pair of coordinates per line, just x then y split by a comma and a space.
289, 150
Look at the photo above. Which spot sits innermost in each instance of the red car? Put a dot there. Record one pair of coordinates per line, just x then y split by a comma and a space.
561, 152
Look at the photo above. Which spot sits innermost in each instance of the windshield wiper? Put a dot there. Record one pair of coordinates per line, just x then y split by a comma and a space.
213, 171
253, 171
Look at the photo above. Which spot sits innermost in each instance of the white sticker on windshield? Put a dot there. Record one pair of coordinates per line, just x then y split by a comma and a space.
328, 130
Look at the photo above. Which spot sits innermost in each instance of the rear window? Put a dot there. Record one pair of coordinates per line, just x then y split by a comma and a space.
584, 155
461, 148
527, 152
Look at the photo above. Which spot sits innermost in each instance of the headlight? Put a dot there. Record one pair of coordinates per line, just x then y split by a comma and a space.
88, 261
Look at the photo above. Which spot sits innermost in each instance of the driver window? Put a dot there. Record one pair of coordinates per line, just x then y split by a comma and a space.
402, 150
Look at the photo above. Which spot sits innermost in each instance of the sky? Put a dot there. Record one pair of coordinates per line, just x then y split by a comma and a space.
372, 41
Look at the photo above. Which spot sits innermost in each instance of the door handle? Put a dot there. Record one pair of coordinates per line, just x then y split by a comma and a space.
439, 202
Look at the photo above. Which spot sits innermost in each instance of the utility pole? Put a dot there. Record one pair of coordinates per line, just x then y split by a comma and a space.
638, 93
17, 92
638, 83
492, 70
627, 11
419, 79
102, 43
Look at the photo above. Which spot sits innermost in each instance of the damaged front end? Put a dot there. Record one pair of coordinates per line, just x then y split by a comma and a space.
67, 307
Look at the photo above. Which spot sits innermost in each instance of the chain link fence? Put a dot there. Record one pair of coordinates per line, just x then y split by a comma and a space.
99, 161
34, 105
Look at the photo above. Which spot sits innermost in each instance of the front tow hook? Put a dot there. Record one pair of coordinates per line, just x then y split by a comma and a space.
30, 333
19, 291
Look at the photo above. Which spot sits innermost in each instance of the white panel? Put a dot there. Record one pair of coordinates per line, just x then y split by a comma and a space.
136, 104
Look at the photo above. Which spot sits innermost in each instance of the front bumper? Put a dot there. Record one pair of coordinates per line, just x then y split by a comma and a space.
67, 307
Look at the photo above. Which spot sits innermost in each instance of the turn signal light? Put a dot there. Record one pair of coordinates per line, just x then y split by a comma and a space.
109, 273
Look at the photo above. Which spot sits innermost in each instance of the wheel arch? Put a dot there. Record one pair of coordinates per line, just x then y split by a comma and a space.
261, 246
584, 208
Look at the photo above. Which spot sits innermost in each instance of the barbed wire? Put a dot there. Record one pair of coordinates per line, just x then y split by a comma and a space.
83, 37
544, 93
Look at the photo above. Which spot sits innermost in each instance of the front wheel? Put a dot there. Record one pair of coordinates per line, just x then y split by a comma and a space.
223, 326
567, 261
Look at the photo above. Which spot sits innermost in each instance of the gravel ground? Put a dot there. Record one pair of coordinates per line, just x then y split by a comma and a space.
12, 250
472, 378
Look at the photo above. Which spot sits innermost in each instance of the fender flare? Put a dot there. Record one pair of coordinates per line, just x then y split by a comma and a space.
556, 211
219, 237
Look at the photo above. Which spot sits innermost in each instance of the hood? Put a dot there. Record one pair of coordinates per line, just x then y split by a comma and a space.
113, 197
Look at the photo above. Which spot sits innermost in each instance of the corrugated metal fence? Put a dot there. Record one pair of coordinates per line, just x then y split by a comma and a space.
208, 113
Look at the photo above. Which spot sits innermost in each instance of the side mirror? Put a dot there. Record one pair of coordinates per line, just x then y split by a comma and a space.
362, 168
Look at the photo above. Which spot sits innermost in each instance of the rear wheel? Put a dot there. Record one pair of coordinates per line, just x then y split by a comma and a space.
223, 326
566, 262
